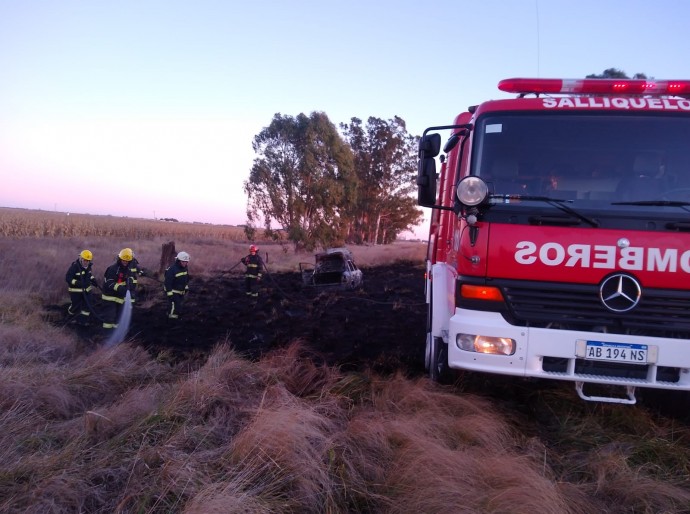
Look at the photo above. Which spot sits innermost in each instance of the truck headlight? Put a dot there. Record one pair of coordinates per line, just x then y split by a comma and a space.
472, 191
485, 344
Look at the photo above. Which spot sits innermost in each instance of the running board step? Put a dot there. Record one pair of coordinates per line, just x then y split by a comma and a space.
629, 390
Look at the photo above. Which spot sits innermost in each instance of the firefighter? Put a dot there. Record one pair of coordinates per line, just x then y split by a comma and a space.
176, 284
252, 275
136, 271
115, 286
80, 281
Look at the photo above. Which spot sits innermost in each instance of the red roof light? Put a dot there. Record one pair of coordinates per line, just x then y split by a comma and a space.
596, 86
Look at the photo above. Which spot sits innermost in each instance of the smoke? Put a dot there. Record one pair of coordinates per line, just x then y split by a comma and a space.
120, 332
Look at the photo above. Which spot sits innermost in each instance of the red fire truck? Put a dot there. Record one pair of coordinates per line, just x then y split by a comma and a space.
559, 243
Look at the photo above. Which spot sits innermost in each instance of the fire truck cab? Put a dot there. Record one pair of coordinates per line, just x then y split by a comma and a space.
559, 241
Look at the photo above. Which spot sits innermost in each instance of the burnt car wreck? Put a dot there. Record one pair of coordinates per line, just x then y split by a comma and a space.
333, 269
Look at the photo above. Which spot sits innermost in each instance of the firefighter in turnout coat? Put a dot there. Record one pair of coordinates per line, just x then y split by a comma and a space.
80, 281
252, 276
115, 286
135, 271
176, 284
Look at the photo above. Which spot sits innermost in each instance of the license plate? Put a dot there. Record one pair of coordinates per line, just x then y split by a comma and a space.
616, 352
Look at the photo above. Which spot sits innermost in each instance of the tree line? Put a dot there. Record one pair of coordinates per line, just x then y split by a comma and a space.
323, 187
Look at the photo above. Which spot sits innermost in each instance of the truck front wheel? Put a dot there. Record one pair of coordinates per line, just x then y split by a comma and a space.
436, 361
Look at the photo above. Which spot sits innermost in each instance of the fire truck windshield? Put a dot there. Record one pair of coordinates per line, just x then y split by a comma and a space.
593, 159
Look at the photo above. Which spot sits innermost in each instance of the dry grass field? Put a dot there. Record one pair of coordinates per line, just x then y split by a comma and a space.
91, 428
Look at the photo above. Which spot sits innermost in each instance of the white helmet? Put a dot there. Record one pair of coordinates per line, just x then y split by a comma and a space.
183, 256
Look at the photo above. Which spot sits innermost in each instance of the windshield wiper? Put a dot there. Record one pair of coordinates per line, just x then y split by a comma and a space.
658, 203
558, 203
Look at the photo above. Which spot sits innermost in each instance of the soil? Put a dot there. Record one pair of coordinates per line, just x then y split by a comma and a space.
380, 326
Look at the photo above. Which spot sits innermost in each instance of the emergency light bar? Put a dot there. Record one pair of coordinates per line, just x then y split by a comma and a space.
596, 86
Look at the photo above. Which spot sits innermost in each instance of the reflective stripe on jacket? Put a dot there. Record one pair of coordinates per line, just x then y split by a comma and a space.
176, 280
78, 278
115, 283
254, 265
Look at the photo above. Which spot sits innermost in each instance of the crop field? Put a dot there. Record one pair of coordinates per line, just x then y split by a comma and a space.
303, 401
32, 223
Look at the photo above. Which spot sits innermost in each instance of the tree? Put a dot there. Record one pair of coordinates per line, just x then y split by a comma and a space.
385, 158
301, 179
614, 73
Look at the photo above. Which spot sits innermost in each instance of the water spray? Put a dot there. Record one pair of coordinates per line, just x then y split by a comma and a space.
123, 323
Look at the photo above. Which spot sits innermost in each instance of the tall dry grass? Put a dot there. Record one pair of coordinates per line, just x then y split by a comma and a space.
114, 431
90, 429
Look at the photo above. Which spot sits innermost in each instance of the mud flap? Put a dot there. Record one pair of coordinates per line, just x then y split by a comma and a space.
442, 299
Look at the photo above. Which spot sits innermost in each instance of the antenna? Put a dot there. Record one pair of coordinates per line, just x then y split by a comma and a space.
536, 5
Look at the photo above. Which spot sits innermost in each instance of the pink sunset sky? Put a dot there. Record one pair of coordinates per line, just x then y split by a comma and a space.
149, 109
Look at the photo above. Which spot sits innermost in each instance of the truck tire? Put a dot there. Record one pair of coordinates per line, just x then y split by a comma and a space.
427, 351
436, 354
438, 360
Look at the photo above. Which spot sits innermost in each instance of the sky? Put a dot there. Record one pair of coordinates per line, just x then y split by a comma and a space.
148, 108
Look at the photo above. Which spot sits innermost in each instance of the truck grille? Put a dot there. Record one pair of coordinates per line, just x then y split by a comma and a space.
660, 313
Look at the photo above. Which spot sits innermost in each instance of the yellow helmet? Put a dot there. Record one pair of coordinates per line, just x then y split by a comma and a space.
125, 254
86, 255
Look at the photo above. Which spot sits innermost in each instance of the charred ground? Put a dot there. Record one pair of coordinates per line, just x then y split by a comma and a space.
380, 326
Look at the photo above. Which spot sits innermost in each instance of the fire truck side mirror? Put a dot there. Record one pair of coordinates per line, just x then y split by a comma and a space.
426, 182
429, 148
430, 145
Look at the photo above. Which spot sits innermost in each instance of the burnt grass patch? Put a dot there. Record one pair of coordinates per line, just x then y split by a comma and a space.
380, 326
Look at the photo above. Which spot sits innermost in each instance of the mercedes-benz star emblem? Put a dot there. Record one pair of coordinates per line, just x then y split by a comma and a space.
620, 293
